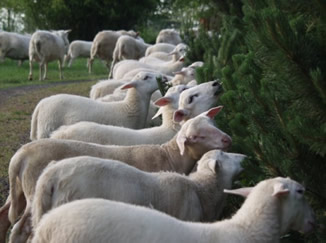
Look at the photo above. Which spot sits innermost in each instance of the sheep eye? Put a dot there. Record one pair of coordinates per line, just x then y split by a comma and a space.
146, 77
191, 98
300, 191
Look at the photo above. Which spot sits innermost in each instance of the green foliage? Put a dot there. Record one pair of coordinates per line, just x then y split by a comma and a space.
271, 59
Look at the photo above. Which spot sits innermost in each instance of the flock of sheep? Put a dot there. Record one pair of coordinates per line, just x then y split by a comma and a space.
109, 169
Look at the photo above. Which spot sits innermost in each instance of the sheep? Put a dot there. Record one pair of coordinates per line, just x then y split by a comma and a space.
184, 76
78, 48
193, 100
45, 47
133, 72
196, 137
127, 48
105, 87
104, 44
105, 134
167, 68
272, 208
159, 47
14, 46
168, 36
178, 52
197, 197
62, 109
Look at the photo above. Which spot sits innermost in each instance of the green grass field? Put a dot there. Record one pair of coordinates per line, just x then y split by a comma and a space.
12, 75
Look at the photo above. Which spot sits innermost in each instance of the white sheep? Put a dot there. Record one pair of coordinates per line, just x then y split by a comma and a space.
14, 46
196, 137
159, 47
127, 48
167, 68
105, 134
168, 36
197, 197
78, 48
193, 100
104, 44
105, 87
272, 208
63, 109
46, 47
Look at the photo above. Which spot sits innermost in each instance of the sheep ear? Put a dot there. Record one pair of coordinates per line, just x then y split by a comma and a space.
172, 53
244, 192
181, 140
214, 165
67, 31
158, 113
163, 101
279, 190
128, 85
179, 115
181, 59
213, 112
179, 72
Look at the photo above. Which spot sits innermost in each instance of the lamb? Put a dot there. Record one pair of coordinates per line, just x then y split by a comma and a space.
168, 68
197, 98
196, 137
127, 48
45, 47
105, 134
178, 52
159, 47
272, 208
78, 48
63, 109
168, 36
201, 199
14, 46
104, 44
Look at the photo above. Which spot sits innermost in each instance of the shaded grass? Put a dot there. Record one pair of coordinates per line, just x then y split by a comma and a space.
11, 75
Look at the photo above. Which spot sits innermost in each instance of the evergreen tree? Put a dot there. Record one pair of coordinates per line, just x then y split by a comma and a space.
271, 59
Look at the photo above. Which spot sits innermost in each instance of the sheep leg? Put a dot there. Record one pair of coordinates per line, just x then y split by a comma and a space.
70, 61
22, 229
4, 221
90, 63
30, 76
45, 71
60, 69
87, 62
111, 69
40, 70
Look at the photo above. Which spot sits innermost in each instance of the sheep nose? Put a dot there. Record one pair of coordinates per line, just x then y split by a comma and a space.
216, 83
227, 141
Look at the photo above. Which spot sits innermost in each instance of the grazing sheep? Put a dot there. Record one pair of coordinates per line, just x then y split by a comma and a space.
104, 134
168, 36
78, 48
196, 137
159, 47
272, 208
14, 46
63, 109
104, 44
46, 47
198, 98
197, 197
127, 48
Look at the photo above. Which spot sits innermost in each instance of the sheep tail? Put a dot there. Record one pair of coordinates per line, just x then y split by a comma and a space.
33, 135
15, 187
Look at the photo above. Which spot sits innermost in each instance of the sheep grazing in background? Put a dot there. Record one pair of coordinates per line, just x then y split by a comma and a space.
103, 45
168, 36
196, 137
159, 47
46, 47
104, 134
272, 208
197, 197
63, 109
127, 48
78, 48
14, 46
193, 100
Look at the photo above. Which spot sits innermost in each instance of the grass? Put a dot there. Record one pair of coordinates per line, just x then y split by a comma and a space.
16, 111
11, 75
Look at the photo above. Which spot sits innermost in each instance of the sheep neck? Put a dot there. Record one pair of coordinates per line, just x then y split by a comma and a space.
209, 187
167, 118
181, 163
259, 217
